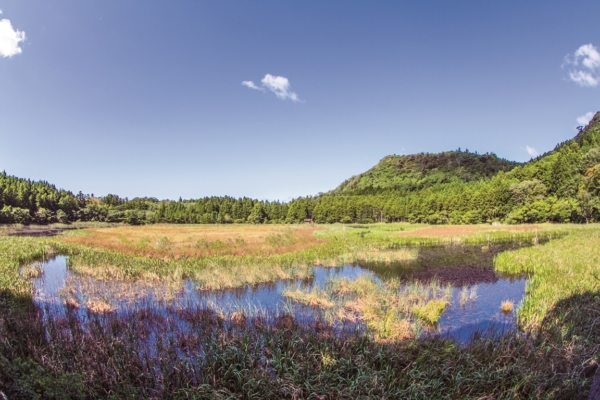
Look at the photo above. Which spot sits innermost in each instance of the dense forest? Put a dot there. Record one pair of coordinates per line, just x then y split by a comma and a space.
456, 187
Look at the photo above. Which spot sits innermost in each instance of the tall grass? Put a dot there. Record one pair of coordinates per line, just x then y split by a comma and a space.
194, 353
222, 272
559, 269
401, 234
390, 311
14, 252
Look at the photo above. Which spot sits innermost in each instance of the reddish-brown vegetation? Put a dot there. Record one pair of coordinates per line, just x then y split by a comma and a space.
199, 240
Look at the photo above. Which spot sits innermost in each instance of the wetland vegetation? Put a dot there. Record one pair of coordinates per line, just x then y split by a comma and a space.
101, 349
450, 275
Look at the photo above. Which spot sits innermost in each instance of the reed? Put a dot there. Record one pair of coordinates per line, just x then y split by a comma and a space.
195, 353
464, 296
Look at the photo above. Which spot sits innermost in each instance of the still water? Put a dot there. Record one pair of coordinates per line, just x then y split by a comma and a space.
464, 268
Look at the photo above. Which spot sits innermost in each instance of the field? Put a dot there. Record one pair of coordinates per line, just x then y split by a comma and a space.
555, 354
178, 241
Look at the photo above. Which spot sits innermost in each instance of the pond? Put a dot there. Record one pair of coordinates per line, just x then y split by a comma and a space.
474, 291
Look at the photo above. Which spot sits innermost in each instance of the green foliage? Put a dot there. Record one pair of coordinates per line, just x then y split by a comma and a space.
455, 187
435, 189
430, 312
15, 251
418, 171
27, 379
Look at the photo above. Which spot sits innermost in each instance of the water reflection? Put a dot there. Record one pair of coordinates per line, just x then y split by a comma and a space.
465, 268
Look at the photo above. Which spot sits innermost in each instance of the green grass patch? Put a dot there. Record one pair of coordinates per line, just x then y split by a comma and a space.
559, 269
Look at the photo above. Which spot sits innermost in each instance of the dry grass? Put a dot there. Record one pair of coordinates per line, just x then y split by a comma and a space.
86, 290
177, 241
391, 311
99, 307
314, 298
507, 306
32, 271
465, 230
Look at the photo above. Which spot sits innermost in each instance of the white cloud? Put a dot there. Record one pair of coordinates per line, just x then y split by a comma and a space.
585, 118
587, 57
9, 39
251, 85
583, 78
531, 151
279, 85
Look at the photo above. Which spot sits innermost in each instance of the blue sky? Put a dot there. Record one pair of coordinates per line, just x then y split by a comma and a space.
279, 99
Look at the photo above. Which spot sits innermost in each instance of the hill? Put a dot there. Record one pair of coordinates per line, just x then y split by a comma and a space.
418, 171
456, 187
559, 186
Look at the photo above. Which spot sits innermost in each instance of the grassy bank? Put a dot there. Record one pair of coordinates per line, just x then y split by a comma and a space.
560, 269
14, 253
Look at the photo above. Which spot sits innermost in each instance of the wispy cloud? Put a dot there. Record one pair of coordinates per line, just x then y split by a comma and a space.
279, 85
531, 151
585, 118
251, 85
584, 65
9, 39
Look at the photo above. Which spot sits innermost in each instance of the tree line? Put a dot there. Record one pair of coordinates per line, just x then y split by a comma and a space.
560, 186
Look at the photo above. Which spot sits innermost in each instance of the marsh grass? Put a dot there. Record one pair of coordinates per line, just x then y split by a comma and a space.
401, 234
431, 311
313, 298
473, 293
225, 257
223, 272
558, 270
99, 307
464, 296
16, 252
146, 354
198, 353
390, 310
31, 271
80, 289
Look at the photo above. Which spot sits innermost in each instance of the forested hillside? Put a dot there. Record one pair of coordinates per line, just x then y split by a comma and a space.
419, 171
561, 185
452, 187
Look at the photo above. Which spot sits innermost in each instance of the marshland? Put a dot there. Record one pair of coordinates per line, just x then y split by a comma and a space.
299, 200
293, 311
